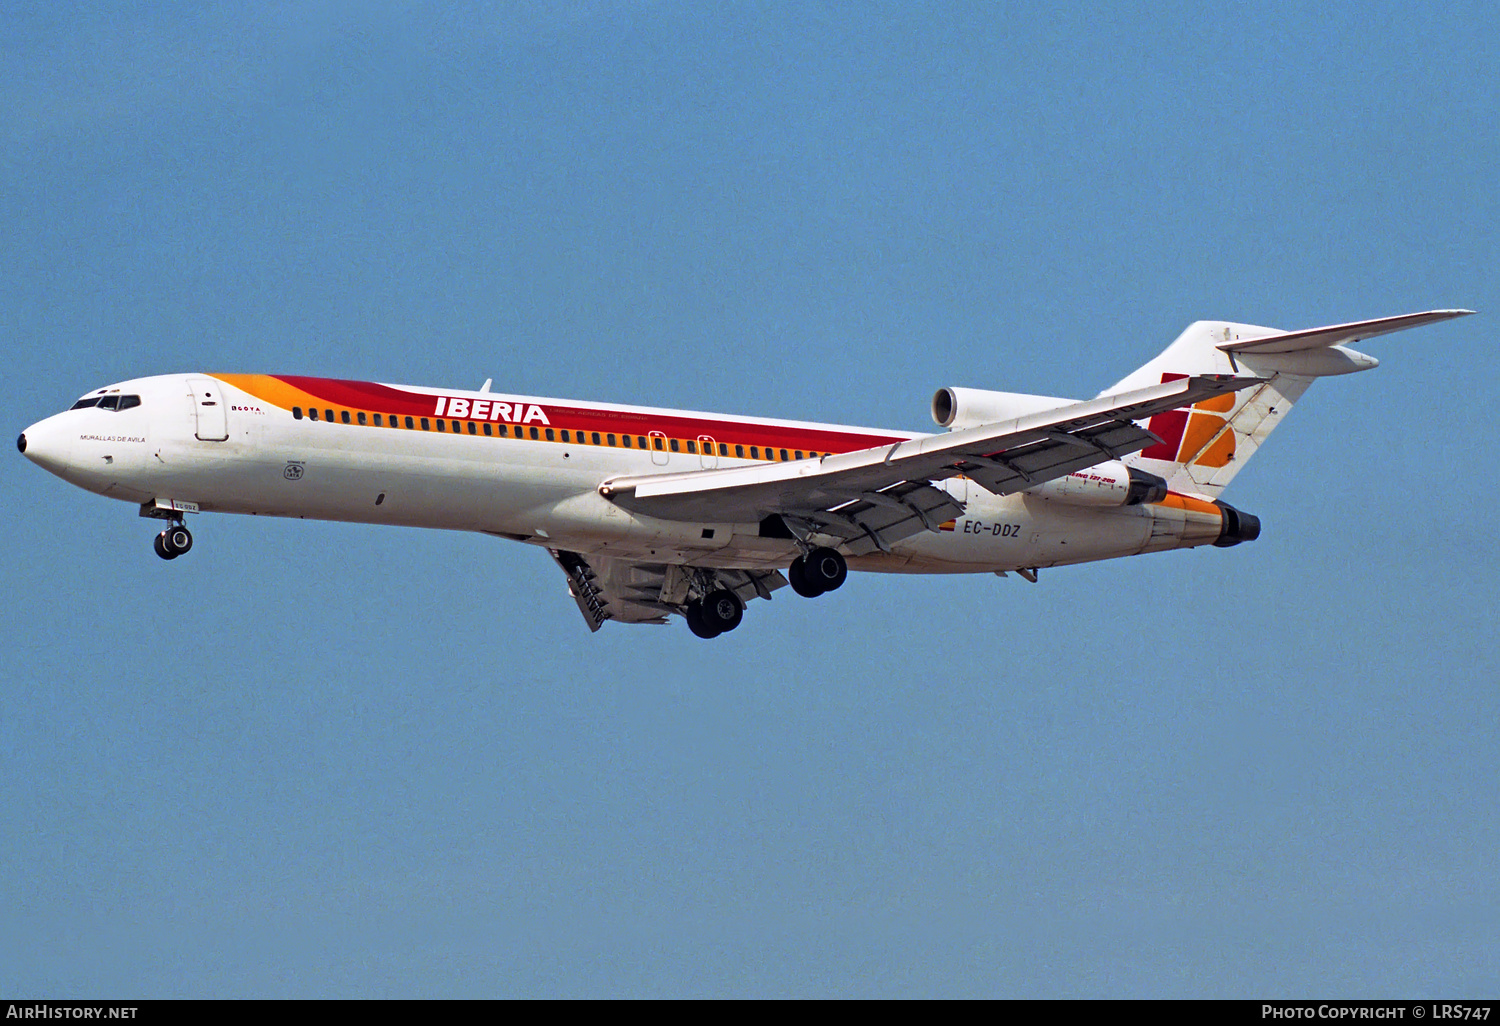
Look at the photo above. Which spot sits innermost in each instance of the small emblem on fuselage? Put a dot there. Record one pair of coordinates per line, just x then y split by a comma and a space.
293, 472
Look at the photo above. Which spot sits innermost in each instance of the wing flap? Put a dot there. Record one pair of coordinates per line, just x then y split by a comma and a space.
609, 588
1338, 334
872, 520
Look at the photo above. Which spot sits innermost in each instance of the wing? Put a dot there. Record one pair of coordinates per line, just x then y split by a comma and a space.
607, 588
873, 497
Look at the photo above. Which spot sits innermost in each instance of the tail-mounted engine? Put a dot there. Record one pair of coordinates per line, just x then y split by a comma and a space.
1239, 526
956, 408
1106, 484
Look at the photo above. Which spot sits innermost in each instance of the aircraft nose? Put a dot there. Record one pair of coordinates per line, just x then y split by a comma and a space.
44, 443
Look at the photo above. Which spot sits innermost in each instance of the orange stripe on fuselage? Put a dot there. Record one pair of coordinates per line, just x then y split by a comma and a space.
270, 389
1176, 500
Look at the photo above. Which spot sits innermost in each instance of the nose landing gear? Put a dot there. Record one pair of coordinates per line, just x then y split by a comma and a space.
173, 542
176, 540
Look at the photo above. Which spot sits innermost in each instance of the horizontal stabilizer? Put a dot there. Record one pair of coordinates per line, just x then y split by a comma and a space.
1337, 334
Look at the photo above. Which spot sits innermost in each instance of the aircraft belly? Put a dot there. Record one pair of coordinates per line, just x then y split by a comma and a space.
384, 484
1018, 531
1072, 534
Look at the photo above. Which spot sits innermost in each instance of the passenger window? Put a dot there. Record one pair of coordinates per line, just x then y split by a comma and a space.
535, 435
626, 440
313, 414
739, 452
425, 426
783, 455
692, 447
409, 424
328, 416
674, 446
361, 416
595, 437
378, 421
456, 428
799, 454
440, 425
723, 449
109, 402
641, 440
296, 412
344, 416
755, 452
550, 437
487, 428
565, 435
658, 443
472, 429
610, 439
128, 402
84, 404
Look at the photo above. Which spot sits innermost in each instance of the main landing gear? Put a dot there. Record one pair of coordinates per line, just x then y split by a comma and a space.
715, 613
819, 571
720, 610
175, 541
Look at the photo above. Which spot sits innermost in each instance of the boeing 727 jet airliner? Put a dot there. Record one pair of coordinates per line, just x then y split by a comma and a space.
651, 512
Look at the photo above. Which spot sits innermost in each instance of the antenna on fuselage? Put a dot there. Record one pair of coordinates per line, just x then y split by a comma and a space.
487, 383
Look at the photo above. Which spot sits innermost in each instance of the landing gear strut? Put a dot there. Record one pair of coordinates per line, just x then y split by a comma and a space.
174, 541
716, 613
819, 571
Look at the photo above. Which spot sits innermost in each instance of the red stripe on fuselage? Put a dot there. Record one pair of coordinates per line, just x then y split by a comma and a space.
364, 395
368, 395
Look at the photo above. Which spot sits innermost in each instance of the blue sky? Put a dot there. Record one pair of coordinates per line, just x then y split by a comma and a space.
333, 760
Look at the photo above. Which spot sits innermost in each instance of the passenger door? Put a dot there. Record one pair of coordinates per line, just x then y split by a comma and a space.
208, 408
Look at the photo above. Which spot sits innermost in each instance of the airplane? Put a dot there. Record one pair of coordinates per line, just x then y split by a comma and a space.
652, 513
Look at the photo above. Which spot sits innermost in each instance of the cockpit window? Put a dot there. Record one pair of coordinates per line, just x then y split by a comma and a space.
108, 402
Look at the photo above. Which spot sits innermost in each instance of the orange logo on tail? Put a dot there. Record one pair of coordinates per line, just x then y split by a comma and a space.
1201, 435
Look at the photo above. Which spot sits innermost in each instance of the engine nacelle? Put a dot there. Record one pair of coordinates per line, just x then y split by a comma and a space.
1105, 484
956, 408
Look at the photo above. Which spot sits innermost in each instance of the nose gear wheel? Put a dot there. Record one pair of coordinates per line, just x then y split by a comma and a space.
173, 542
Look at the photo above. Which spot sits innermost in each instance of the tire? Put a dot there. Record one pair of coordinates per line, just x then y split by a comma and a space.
825, 569
797, 575
722, 611
696, 622
179, 539
161, 547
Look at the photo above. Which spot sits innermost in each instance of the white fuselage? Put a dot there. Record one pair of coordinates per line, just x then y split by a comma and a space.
270, 462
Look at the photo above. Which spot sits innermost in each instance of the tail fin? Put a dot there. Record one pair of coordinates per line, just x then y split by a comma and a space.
1203, 447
